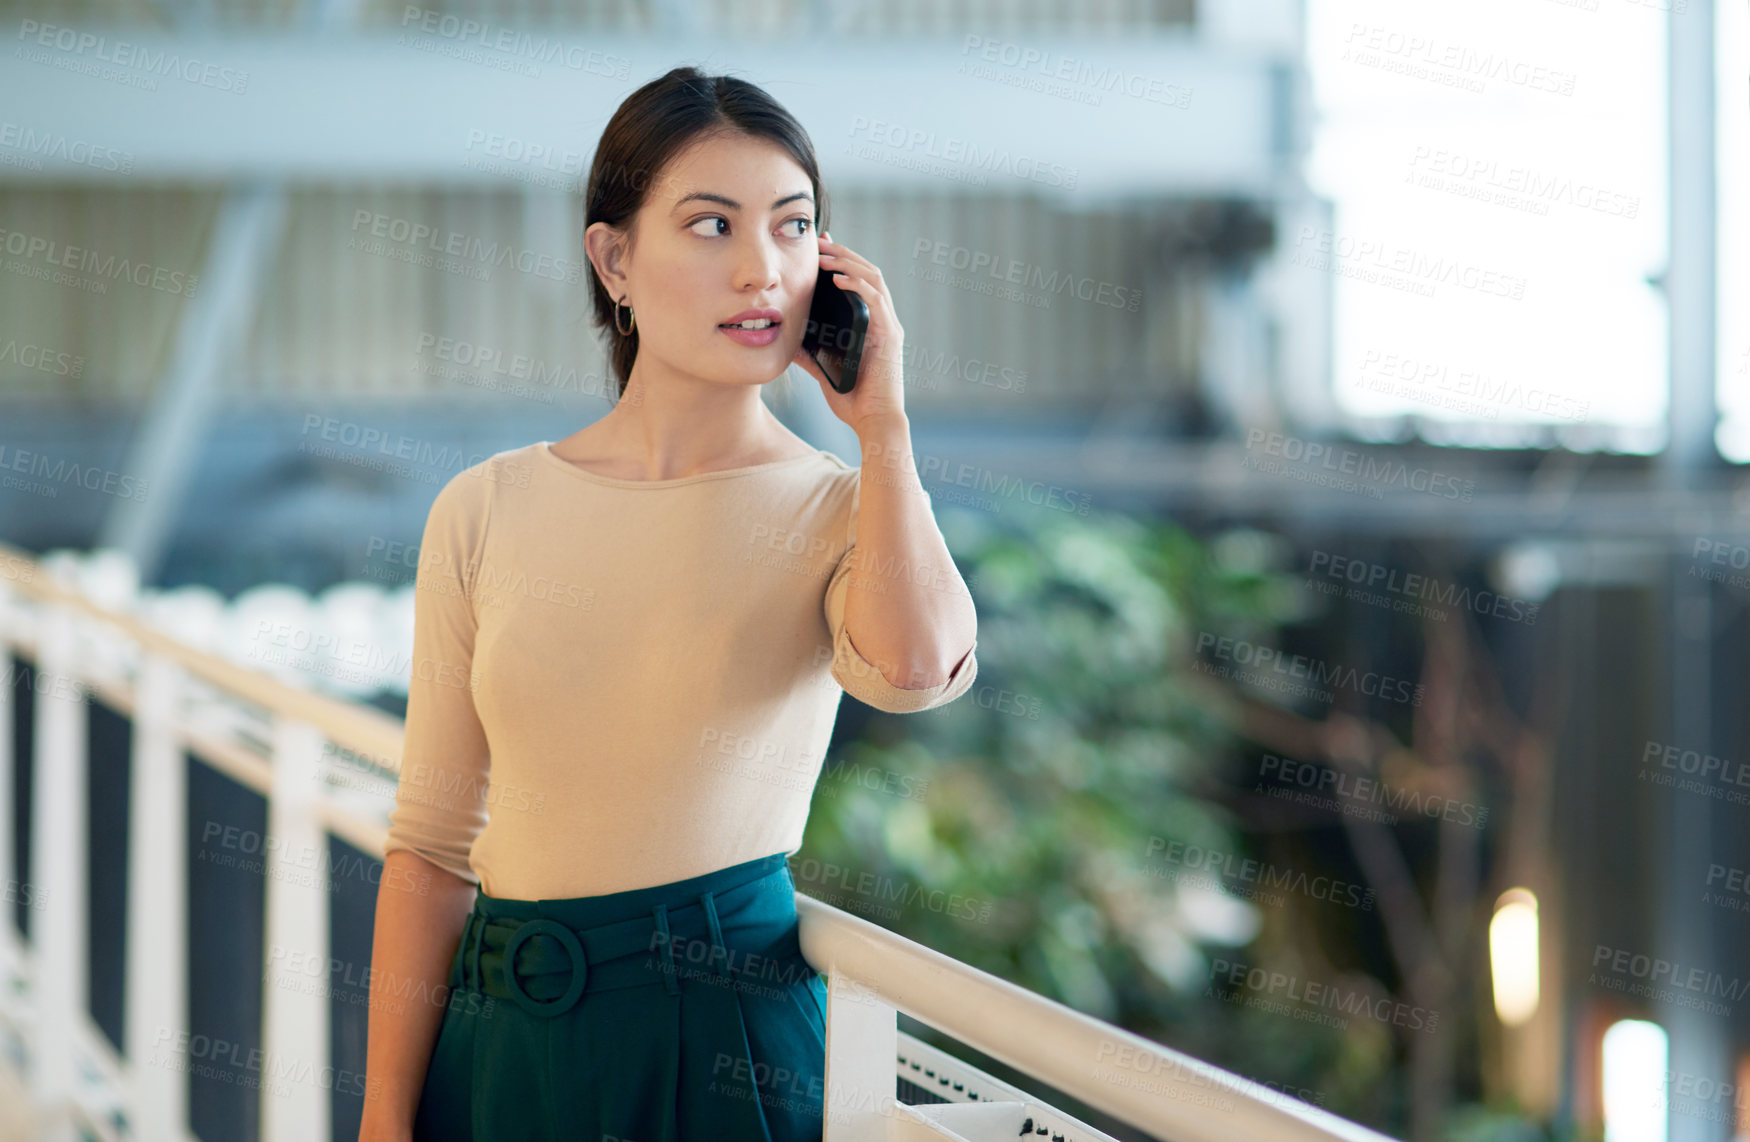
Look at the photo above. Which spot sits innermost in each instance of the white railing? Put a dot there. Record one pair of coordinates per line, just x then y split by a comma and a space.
275, 738
874, 973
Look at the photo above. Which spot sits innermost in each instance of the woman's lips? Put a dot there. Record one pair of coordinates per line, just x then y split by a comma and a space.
752, 337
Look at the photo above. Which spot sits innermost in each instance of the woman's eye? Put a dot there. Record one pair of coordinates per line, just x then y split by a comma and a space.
802, 232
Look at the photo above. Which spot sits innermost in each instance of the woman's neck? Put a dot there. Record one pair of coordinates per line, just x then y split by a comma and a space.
660, 433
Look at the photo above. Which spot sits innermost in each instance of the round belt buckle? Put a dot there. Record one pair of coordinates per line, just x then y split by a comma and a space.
579, 967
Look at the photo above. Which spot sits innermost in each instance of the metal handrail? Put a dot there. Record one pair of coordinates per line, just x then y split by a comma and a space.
1131, 1078
363, 729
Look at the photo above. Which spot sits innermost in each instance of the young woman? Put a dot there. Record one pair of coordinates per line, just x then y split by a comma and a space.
629, 651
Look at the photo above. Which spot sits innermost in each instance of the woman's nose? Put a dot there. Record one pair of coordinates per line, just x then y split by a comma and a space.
760, 266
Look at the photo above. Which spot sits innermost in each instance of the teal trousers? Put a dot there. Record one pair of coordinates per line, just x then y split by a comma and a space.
667, 1014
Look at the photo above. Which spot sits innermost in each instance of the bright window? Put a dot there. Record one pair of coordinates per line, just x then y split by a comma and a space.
1498, 174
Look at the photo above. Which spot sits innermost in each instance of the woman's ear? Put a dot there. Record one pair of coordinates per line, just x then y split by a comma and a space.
606, 249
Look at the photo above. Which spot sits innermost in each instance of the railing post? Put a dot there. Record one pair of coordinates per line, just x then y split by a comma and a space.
862, 1044
10, 938
295, 1020
157, 984
58, 867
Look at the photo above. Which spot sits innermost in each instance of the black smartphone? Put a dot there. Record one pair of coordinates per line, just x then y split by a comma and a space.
837, 323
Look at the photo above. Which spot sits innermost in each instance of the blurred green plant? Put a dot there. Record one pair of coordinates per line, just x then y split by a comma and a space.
1047, 788
1474, 1123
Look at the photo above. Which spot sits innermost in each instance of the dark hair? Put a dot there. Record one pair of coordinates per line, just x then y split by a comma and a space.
652, 126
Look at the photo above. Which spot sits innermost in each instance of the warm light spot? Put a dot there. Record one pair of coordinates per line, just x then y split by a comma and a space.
1513, 956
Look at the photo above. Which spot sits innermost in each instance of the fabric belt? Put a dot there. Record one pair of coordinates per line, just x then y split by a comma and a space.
554, 965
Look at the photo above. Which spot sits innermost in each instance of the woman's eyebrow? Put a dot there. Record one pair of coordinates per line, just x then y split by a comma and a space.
707, 196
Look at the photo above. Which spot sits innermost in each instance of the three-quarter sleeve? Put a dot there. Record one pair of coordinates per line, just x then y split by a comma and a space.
440, 802
859, 677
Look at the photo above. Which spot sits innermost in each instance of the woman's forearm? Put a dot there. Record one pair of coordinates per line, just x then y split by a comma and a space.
906, 607
421, 910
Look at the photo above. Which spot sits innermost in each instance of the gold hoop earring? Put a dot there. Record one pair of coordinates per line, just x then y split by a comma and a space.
632, 322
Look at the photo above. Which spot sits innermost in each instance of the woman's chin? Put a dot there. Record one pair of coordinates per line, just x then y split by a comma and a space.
750, 371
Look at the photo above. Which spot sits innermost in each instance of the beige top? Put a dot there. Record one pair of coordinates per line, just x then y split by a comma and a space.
622, 683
